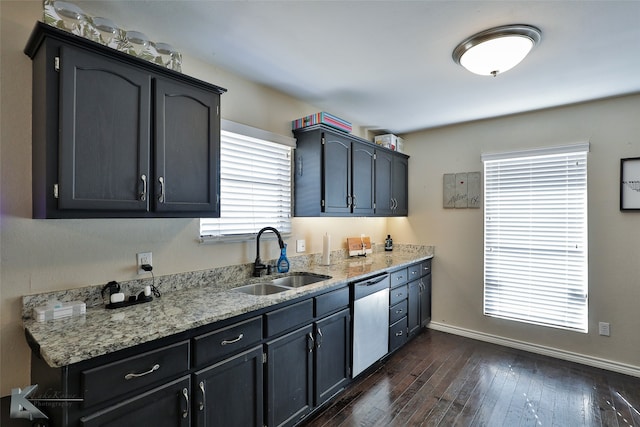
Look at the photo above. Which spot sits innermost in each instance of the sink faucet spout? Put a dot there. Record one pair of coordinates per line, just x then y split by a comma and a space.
258, 266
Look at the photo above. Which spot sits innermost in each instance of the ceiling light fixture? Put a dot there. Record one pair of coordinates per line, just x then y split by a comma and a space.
496, 50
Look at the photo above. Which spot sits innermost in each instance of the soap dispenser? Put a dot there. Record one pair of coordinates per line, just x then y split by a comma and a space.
283, 262
388, 243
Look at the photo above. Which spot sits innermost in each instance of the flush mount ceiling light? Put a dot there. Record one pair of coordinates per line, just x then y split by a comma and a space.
496, 50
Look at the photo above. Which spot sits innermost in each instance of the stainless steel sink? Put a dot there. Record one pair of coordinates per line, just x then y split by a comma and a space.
266, 288
297, 280
281, 284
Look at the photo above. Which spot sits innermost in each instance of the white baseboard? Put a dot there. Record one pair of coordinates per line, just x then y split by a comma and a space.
539, 349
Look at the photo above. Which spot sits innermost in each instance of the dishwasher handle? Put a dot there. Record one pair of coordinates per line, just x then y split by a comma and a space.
370, 285
373, 281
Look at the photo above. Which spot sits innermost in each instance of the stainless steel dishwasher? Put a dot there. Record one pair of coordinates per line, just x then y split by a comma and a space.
370, 321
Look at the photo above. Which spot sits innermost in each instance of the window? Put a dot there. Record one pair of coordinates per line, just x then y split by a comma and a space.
255, 184
535, 232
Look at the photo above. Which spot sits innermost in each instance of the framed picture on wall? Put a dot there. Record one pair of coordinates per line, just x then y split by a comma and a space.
630, 184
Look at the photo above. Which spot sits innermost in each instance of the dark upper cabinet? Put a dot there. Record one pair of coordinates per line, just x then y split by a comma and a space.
104, 133
117, 136
362, 178
187, 147
336, 173
391, 184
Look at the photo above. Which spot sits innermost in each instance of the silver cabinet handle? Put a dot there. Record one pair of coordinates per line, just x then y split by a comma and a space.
349, 200
185, 394
203, 403
319, 341
354, 200
233, 341
399, 333
142, 374
312, 342
398, 311
161, 196
143, 196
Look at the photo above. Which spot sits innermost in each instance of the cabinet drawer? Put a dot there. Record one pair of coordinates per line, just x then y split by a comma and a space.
332, 301
126, 375
164, 406
425, 266
399, 277
215, 345
289, 317
398, 311
398, 334
398, 294
414, 271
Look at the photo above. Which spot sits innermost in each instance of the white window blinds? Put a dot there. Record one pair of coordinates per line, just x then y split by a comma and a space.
255, 185
535, 251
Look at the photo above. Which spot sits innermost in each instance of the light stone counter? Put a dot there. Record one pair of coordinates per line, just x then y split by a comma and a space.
181, 308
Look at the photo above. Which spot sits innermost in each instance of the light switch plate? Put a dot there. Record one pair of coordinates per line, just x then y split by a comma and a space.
301, 245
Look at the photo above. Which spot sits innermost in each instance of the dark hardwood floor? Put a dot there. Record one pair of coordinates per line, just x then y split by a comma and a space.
440, 379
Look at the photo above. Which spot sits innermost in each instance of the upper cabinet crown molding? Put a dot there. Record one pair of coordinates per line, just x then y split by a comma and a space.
117, 136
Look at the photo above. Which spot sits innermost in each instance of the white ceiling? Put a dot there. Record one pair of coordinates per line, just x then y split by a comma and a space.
387, 64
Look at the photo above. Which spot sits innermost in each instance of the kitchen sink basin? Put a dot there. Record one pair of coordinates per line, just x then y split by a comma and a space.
297, 280
267, 288
281, 284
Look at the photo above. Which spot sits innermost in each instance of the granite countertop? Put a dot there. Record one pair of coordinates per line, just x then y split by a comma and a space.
66, 341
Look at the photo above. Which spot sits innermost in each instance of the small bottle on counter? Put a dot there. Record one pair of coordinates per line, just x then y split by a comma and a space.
388, 243
283, 262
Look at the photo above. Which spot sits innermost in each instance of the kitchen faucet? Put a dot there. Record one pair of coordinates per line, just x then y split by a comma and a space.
258, 266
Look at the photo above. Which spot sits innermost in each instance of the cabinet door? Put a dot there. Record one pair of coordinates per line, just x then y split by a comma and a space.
230, 393
289, 377
336, 174
104, 133
384, 183
362, 178
167, 405
413, 313
400, 190
187, 149
425, 300
332, 355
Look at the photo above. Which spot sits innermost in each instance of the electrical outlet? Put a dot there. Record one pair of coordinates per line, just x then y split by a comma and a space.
604, 329
301, 245
143, 258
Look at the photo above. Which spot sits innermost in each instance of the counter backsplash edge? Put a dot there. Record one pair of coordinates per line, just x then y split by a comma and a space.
221, 277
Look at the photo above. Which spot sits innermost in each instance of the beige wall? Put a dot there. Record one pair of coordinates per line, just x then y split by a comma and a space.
43, 255
613, 129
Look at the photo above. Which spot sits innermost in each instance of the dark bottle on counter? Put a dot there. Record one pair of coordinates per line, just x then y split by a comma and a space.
388, 243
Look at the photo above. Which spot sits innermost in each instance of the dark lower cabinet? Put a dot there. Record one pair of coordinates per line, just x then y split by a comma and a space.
332, 355
230, 393
425, 300
413, 314
167, 405
290, 377
419, 299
